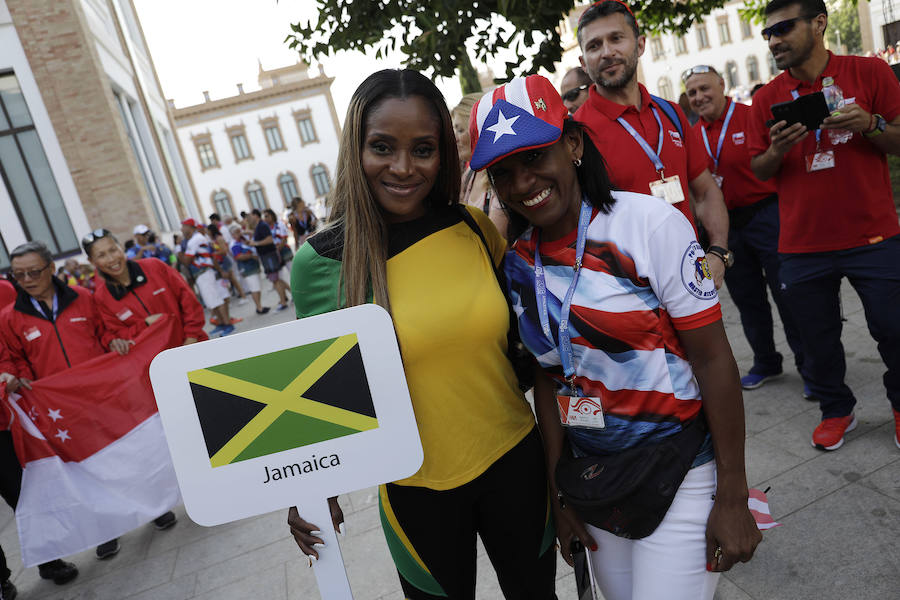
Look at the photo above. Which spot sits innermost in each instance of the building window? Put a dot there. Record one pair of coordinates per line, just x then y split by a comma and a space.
272, 133
752, 69
731, 74
746, 29
665, 88
205, 151
287, 183
724, 31
680, 45
222, 203
320, 179
702, 36
256, 196
27, 175
773, 68
306, 127
656, 48
239, 145
4, 255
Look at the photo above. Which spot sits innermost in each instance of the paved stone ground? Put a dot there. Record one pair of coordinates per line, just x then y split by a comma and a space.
841, 514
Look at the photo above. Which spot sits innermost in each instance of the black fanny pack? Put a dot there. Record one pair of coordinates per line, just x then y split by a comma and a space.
629, 493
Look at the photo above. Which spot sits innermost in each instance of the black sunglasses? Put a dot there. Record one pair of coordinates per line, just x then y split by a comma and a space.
696, 71
93, 236
574, 92
29, 274
780, 28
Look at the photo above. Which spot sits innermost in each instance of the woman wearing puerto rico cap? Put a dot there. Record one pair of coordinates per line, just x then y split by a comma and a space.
398, 237
638, 399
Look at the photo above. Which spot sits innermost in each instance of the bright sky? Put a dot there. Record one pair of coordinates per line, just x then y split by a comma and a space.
212, 45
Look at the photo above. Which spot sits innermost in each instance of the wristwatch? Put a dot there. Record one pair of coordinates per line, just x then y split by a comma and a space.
880, 126
725, 254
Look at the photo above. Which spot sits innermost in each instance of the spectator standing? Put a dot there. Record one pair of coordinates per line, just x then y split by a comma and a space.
302, 220
222, 253
264, 243
280, 235
248, 266
146, 246
753, 217
645, 142
574, 88
198, 257
836, 206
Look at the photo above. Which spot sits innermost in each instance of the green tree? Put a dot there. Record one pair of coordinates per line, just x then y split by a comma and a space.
433, 35
843, 19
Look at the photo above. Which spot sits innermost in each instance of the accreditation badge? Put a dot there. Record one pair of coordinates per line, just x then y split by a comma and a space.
820, 161
668, 188
580, 411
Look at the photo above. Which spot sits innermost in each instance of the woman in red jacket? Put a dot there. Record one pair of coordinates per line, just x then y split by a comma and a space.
135, 293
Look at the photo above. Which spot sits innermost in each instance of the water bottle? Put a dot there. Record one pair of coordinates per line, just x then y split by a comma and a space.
834, 97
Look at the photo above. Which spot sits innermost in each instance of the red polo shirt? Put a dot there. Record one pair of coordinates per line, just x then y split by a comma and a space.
847, 206
630, 169
739, 185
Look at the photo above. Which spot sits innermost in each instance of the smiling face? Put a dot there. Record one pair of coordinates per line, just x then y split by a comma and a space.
107, 256
796, 46
610, 51
400, 156
542, 185
706, 94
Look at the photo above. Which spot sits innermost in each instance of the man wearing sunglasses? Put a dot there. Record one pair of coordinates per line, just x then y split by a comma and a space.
574, 88
646, 141
835, 204
753, 218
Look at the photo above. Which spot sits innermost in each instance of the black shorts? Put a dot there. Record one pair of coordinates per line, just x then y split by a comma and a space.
431, 534
271, 262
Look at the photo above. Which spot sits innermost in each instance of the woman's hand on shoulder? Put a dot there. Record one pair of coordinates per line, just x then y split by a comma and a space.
307, 535
731, 534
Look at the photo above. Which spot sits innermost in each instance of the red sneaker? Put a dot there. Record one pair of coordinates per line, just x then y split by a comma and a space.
897, 428
236, 320
214, 320
829, 435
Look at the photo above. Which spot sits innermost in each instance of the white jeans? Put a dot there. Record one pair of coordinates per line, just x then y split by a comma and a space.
670, 563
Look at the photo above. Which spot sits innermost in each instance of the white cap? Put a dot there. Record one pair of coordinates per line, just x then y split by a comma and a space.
141, 229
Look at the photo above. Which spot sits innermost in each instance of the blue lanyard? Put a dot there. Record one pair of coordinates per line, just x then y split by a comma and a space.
566, 354
795, 94
653, 156
54, 309
721, 138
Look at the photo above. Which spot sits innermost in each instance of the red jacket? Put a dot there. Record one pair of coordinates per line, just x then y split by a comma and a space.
40, 347
7, 294
155, 288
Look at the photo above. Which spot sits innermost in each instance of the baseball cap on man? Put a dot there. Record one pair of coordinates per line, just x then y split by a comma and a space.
190, 223
141, 229
523, 114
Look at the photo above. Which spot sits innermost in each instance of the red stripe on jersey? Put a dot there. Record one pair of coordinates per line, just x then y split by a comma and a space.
634, 330
634, 403
700, 319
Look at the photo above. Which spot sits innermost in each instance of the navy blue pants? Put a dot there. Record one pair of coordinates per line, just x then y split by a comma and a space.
812, 286
755, 247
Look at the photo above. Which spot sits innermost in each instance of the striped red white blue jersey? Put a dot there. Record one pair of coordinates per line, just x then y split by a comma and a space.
644, 277
199, 250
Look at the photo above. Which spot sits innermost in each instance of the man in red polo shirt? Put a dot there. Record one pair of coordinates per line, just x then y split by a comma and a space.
837, 211
753, 217
645, 149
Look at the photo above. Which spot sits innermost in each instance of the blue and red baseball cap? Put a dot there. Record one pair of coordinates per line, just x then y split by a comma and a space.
524, 114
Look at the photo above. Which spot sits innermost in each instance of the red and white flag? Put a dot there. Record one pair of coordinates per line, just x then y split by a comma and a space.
94, 456
759, 508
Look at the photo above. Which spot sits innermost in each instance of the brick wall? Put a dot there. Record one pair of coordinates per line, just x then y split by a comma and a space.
78, 97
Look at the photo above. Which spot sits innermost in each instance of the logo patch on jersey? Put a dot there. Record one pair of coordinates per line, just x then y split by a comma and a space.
737, 138
124, 314
159, 291
77, 319
695, 274
32, 333
676, 138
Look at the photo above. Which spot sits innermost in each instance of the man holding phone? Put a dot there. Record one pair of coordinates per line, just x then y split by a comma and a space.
836, 205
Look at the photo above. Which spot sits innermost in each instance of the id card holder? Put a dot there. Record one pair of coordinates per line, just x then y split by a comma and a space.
718, 179
580, 411
820, 161
668, 188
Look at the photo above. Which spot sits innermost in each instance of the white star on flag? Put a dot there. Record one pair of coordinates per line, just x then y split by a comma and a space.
502, 126
54, 414
63, 435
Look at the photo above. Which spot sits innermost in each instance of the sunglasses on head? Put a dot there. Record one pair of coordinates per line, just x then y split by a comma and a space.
93, 237
696, 71
572, 94
783, 27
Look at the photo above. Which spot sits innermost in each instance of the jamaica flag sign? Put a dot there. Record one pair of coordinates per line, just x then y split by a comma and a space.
288, 415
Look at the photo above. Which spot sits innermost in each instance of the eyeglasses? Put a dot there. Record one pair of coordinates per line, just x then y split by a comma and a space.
781, 28
93, 236
696, 71
572, 94
29, 274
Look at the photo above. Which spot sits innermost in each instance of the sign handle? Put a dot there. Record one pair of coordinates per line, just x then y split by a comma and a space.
329, 569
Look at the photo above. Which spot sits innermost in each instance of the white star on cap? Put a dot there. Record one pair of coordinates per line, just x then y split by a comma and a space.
63, 435
502, 126
54, 414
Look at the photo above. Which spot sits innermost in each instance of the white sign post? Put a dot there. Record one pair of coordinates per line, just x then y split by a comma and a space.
289, 415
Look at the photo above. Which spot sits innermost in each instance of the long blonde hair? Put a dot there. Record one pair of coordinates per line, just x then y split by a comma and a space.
353, 207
